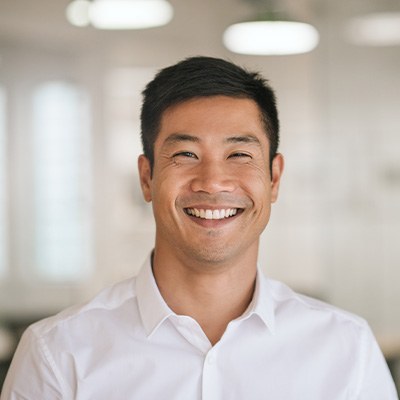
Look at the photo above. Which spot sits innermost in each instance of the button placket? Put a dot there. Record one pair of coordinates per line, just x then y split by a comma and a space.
210, 377
192, 332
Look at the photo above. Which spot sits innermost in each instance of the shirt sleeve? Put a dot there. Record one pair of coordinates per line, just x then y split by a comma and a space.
31, 375
376, 381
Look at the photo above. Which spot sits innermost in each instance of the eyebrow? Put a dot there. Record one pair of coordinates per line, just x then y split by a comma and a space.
184, 137
243, 139
181, 137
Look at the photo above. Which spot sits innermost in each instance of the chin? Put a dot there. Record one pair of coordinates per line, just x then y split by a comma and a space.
213, 256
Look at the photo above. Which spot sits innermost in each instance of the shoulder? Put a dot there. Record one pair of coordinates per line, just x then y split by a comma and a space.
340, 342
313, 324
307, 310
110, 300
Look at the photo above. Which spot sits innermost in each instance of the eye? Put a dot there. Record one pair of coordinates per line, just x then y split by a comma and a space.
239, 155
187, 154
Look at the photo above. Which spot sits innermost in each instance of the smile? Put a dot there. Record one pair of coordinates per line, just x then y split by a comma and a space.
212, 214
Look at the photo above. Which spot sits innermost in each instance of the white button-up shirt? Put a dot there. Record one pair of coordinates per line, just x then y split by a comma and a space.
127, 344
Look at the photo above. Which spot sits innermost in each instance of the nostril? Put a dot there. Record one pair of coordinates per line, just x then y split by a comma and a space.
213, 185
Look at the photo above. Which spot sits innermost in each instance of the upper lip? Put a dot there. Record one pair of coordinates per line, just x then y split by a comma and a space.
219, 201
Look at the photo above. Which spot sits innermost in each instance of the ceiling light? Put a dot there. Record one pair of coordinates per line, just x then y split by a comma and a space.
378, 29
129, 14
271, 38
78, 12
119, 14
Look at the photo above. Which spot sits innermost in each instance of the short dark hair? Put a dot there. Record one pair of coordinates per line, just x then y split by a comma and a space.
197, 77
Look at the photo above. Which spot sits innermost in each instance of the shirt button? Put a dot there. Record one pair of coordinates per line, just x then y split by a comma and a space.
211, 359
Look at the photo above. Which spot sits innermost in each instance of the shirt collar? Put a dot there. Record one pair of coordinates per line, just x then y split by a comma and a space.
263, 304
152, 307
154, 310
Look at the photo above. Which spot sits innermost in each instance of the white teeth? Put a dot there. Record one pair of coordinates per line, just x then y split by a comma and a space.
212, 214
209, 214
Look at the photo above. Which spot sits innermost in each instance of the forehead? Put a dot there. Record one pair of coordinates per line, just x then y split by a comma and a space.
213, 116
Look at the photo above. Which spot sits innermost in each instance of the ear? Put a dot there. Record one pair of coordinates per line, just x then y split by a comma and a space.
277, 170
145, 177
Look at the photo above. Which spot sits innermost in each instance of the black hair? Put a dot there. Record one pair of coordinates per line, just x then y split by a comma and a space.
204, 77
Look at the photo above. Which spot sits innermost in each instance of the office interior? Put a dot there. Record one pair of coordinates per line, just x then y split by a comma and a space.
72, 218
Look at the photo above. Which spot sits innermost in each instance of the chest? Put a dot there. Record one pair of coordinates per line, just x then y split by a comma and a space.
260, 368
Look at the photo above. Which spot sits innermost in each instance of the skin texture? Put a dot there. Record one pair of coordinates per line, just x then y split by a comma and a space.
211, 153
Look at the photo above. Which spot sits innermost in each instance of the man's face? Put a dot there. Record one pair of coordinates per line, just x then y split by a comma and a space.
211, 186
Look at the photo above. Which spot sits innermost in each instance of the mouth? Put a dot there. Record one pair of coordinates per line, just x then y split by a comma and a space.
215, 214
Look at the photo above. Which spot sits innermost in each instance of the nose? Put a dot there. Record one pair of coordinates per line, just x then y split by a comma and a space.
213, 177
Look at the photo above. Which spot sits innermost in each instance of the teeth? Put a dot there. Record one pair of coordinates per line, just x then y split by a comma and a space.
215, 214
212, 214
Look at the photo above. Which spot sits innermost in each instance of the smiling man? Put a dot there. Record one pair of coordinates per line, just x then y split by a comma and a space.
200, 321
212, 189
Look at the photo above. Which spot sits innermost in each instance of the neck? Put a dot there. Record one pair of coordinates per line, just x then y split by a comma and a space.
212, 296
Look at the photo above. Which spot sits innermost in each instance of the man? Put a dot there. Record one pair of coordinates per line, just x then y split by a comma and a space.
200, 321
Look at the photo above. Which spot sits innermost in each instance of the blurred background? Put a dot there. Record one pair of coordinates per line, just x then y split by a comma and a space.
72, 219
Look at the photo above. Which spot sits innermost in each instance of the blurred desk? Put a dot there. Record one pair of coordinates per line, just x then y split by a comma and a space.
8, 343
390, 346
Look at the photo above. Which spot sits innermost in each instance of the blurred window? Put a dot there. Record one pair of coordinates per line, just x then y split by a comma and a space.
3, 186
62, 181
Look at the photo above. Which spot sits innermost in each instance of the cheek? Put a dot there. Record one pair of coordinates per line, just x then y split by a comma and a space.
257, 184
167, 189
